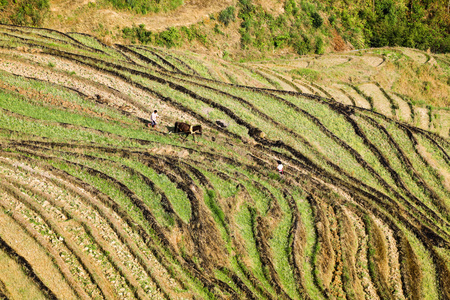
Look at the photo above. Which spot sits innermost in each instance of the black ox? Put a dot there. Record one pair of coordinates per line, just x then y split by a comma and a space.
181, 127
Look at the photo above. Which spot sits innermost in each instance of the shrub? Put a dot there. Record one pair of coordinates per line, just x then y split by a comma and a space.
302, 45
227, 15
320, 48
290, 7
137, 33
217, 30
30, 12
317, 20
169, 38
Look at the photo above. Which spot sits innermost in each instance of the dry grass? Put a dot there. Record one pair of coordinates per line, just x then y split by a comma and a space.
78, 16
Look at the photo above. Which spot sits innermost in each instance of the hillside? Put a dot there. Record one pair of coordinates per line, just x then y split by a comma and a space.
96, 205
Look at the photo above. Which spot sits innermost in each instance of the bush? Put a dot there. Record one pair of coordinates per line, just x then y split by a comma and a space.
169, 38
29, 12
317, 20
227, 15
320, 48
137, 33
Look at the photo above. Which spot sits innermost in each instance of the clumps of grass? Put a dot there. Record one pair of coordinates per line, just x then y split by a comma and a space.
227, 15
146, 6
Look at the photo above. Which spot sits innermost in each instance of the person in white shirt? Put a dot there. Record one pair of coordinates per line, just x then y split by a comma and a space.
280, 167
153, 118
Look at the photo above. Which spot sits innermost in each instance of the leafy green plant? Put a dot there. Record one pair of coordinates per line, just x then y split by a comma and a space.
227, 15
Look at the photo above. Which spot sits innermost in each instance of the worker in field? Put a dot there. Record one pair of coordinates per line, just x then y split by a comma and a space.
280, 167
153, 118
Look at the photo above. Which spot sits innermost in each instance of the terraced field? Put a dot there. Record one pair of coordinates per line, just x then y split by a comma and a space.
96, 205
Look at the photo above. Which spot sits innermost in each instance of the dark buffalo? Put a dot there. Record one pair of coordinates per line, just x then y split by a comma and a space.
181, 127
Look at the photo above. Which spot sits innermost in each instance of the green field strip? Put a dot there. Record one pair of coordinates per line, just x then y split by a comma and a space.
42, 31
36, 255
44, 89
97, 130
396, 162
56, 133
307, 218
432, 170
39, 38
194, 63
245, 221
171, 56
214, 199
344, 129
135, 182
177, 197
227, 192
151, 59
149, 253
428, 170
137, 215
174, 63
18, 284
94, 43
124, 264
145, 230
429, 286
286, 114
408, 185
50, 46
33, 213
246, 283
279, 245
92, 252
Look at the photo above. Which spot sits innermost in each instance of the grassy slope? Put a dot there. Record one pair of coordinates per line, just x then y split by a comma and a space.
124, 211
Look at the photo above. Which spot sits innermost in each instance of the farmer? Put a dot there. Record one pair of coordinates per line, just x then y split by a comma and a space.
280, 167
153, 118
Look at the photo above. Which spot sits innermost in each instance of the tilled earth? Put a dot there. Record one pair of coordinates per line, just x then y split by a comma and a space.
95, 204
